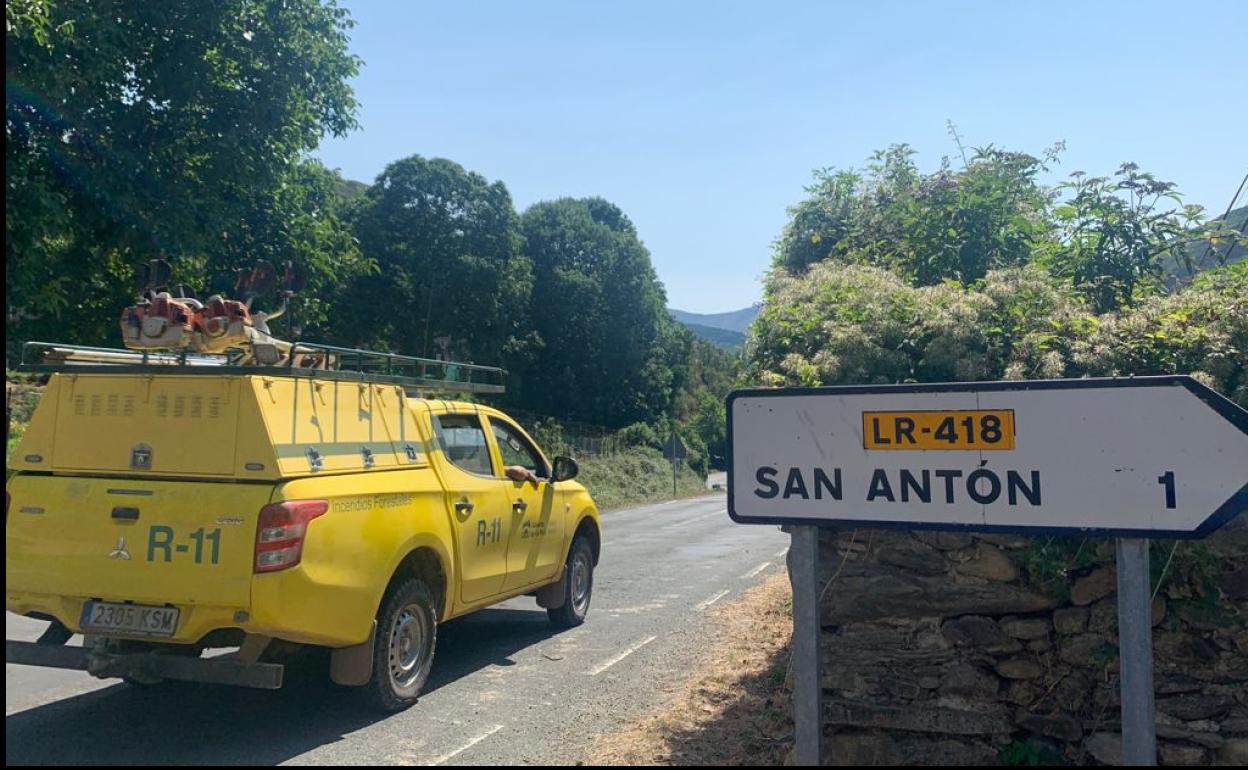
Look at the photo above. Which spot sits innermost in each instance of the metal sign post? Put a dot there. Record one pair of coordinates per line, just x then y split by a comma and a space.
1135, 653
1130, 458
807, 664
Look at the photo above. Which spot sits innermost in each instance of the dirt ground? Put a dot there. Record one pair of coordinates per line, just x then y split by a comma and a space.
734, 708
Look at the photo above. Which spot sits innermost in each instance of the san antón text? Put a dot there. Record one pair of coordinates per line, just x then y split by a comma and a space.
981, 486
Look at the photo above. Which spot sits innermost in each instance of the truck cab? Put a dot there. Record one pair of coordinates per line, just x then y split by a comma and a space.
162, 508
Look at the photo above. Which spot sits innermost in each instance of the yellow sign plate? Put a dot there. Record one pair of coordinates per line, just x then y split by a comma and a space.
961, 430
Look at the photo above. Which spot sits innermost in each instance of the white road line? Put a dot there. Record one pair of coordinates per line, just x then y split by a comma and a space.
466, 746
708, 602
694, 519
754, 572
622, 655
783, 554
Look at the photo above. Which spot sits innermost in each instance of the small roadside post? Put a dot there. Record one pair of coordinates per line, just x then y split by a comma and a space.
674, 450
808, 684
1128, 458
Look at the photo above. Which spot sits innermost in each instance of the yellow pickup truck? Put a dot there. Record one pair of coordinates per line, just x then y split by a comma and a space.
164, 506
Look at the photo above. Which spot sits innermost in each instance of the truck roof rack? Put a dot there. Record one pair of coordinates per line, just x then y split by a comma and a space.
311, 360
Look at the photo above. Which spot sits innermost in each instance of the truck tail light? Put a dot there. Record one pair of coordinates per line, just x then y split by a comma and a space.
280, 533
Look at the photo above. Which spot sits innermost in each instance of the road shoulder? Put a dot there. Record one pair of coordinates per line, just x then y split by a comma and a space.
733, 707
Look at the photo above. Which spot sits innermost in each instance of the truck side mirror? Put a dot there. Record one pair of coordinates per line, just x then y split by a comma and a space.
565, 469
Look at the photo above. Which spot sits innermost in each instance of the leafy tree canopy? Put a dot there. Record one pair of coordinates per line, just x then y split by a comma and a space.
1109, 236
951, 224
451, 278
852, 324
172, 129
599, 310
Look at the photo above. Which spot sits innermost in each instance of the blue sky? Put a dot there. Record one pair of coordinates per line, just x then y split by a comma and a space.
703, 120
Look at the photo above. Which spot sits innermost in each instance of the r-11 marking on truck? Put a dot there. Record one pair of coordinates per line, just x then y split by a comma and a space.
160, 539
491, 533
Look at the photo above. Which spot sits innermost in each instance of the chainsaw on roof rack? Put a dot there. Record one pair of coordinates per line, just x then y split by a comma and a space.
159, 321
222, 336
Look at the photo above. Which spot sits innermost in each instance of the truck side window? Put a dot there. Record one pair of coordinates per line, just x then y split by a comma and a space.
516, 450
463, 442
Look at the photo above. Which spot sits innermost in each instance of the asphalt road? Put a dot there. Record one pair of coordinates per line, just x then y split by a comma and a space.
506, 688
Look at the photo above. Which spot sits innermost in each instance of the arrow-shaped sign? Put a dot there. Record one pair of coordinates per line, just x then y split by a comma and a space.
1144, 456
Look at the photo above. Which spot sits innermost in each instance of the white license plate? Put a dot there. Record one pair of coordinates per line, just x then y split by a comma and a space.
129, 618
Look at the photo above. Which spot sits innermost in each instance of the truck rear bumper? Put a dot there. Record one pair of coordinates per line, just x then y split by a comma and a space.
146, 666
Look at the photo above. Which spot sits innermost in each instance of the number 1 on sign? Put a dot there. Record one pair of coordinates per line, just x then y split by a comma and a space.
1167, 480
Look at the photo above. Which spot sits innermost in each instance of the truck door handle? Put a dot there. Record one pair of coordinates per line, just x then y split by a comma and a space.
463, 506
126, 514
519, 506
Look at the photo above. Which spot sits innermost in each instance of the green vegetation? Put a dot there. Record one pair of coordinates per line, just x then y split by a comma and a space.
21, 397
636, 475
183, 131
981, 273
599, 315
1051, 565
177, 130
1188, 573
446, 243
1030, 754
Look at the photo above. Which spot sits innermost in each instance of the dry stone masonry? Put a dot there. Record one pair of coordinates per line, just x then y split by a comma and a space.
985, 649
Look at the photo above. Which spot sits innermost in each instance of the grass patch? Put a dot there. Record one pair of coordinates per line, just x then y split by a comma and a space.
21, 396
636, 475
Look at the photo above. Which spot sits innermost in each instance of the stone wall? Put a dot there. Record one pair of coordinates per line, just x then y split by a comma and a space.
958, 649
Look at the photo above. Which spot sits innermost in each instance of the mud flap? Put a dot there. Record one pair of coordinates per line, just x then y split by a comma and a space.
555, 594
353, 666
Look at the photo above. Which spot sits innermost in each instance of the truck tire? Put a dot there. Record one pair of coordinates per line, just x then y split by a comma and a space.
407, 633
578, 576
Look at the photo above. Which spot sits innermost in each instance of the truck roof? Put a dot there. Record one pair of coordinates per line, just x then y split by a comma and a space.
331, 409
308, 360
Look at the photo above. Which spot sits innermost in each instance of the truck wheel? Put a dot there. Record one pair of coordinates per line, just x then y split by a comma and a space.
407, 632
578, 576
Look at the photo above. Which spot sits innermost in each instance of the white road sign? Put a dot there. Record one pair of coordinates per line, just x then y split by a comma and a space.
1144, 456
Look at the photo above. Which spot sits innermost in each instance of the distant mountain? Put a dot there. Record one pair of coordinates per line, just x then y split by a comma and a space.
724, 330
1203, 255
737, 320
721, 338
349, 189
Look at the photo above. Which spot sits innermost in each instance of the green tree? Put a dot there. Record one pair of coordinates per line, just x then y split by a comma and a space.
1116, 232
953, 224
962, 223
304, 220
142, 130
599, 310
450, 274
820, 226
710, 424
